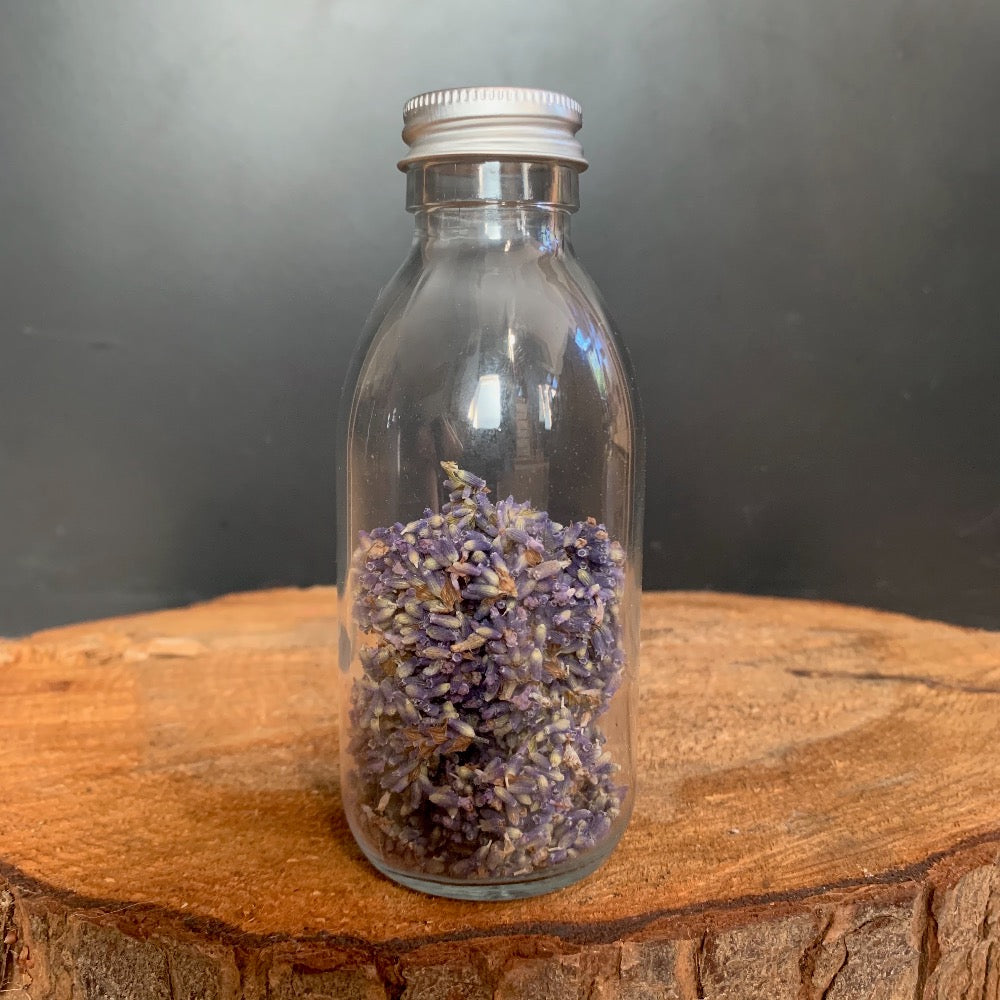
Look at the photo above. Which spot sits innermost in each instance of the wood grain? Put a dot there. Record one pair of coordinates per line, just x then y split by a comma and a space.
818, 817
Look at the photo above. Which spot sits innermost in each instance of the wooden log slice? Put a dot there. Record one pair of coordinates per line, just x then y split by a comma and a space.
818, 817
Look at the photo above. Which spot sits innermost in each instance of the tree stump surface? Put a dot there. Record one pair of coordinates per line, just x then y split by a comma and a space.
818, 817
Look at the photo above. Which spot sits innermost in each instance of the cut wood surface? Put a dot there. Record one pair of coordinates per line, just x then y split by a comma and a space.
818, 817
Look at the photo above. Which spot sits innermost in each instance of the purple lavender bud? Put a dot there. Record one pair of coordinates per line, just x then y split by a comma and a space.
548, 568
477, 751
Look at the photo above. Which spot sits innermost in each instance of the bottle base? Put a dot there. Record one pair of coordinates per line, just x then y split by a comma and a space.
535, 885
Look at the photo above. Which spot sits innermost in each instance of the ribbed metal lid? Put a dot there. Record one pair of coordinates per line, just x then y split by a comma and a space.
504, 122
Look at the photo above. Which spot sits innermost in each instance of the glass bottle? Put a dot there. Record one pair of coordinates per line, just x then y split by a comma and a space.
490, 516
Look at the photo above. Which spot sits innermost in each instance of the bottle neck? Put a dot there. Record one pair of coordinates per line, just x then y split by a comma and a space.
515, 203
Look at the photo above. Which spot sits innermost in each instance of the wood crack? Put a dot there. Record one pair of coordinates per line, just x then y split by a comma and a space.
809, 956
700, 959
930, 949
833, 979
7, 930
170, 975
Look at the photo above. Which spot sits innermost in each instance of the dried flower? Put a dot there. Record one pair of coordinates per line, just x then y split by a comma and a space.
493, 647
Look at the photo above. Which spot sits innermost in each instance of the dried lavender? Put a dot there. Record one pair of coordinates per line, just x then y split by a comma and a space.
493, 648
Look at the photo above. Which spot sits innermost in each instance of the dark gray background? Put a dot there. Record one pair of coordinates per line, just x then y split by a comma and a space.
793, 210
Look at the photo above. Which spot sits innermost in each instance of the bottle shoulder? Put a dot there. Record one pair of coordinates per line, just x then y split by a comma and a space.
492, 311
439, 301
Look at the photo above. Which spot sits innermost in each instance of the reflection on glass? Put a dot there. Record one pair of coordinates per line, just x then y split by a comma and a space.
594, 350
485, 410
546, 393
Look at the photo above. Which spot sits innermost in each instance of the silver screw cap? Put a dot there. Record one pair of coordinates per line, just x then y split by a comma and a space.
501, 122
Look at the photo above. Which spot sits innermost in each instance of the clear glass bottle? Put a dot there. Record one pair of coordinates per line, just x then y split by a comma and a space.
490, 501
